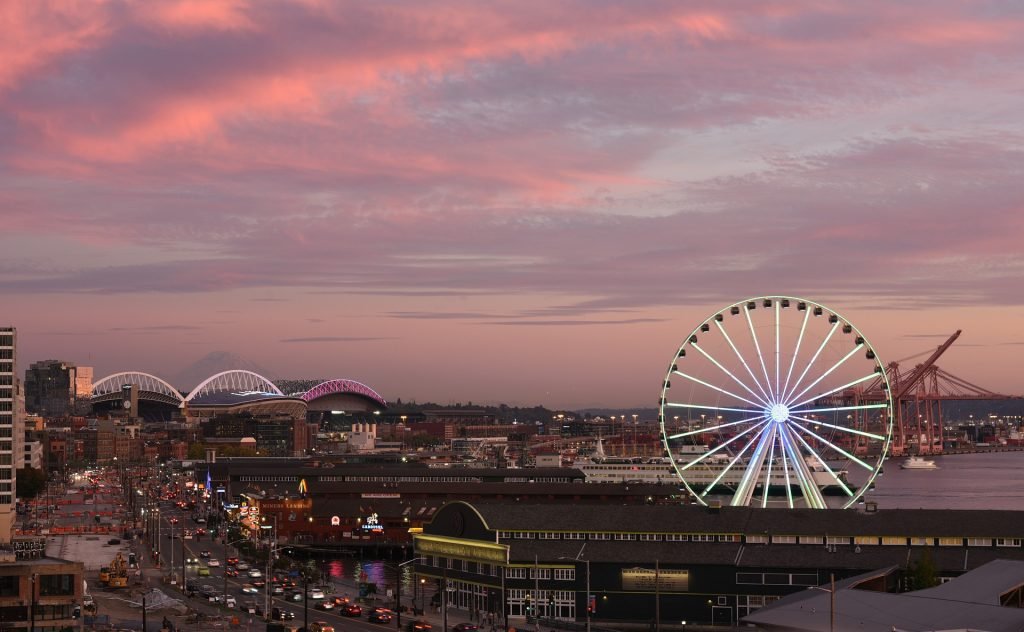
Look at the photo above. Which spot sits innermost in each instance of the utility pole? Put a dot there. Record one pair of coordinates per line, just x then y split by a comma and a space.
144, 614
657, 597
536, 593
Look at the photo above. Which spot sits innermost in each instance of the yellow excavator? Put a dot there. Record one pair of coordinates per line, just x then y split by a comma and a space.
118, 572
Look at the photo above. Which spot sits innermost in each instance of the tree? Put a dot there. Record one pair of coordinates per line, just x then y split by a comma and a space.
922, 573
196, 451
30, 483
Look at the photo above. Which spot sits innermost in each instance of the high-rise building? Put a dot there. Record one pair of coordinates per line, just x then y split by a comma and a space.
54, 388
8, 401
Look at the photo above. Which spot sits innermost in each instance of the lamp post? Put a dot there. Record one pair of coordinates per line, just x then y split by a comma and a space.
398, 589
831, 600
579, 558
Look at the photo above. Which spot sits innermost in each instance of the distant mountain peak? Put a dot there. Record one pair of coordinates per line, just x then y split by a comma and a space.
216, 362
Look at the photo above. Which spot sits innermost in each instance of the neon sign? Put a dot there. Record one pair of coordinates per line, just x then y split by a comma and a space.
372, 523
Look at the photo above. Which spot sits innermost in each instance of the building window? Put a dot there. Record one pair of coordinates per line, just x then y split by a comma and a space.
757, 539
540, 573
702, 537
515, 573
600, 536
838, 539
865, 539
1008, 542
547, 535
676, 537
951, 541
920, 541
893, 540
650, 537
565, 574
979, 541
625, 536
729, 537
53, 585
811, 539
574, 536
783, 539
9, 586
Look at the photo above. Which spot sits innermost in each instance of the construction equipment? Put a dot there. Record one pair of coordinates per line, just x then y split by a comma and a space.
118, 572
104, 575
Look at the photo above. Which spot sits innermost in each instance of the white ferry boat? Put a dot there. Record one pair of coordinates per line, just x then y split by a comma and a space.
918, 463
604, 469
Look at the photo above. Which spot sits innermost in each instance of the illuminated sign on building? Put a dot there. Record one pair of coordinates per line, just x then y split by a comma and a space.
645, 579
372, 524
303, 488
335, 521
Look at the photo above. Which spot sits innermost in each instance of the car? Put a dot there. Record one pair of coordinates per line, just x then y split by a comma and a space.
229, 601
379, 616
321, 626
203, 571
213, 563
232, 561
259, 583
280, 614
191, 561
249, 589
351, 610
253, 608
242, 566
255, 573
340, 600
419, 625
316, 593
324, 605
113, 541
295, 597
231, 572
277, 590
204, 554
200, 520
464, 627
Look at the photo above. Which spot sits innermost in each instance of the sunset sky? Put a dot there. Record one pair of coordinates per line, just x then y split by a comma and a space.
521, 202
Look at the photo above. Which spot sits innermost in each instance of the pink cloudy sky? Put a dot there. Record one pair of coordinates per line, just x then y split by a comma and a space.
529, 202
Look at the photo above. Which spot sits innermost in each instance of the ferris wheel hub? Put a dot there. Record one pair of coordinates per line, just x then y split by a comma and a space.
779, 413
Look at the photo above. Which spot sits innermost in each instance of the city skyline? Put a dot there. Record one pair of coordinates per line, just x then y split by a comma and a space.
517, 203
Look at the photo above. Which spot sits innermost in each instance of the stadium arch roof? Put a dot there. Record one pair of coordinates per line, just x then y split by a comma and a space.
237, 380
343, 387
150, 387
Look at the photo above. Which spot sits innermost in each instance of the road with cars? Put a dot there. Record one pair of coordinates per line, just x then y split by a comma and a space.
213, 571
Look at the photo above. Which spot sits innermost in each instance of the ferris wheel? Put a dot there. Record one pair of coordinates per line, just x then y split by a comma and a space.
776, 401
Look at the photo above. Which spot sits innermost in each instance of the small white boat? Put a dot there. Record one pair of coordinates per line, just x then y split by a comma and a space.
918, 463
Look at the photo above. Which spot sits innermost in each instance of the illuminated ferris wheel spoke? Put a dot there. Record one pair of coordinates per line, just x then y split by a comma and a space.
830, 370
705, 407
835, 477
690, 433
725, 470
722, 446
757, 345
807, 368
805, 478
771, 459
837, 389
840, 408
796, 352
791, 415
785, 470
822, 439
739, 355
729, 373
720, 390
778, 306
745, 490
862, 433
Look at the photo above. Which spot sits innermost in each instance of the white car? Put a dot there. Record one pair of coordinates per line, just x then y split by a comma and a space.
242, 566
316, 593
230, 602
213, 563
249, 589
254, 573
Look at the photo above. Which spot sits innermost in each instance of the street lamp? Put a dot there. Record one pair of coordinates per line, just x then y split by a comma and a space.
831, 600
579, 558
398, 588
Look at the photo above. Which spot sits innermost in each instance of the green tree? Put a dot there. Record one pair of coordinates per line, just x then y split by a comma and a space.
922, 573
30, 483
196, 451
